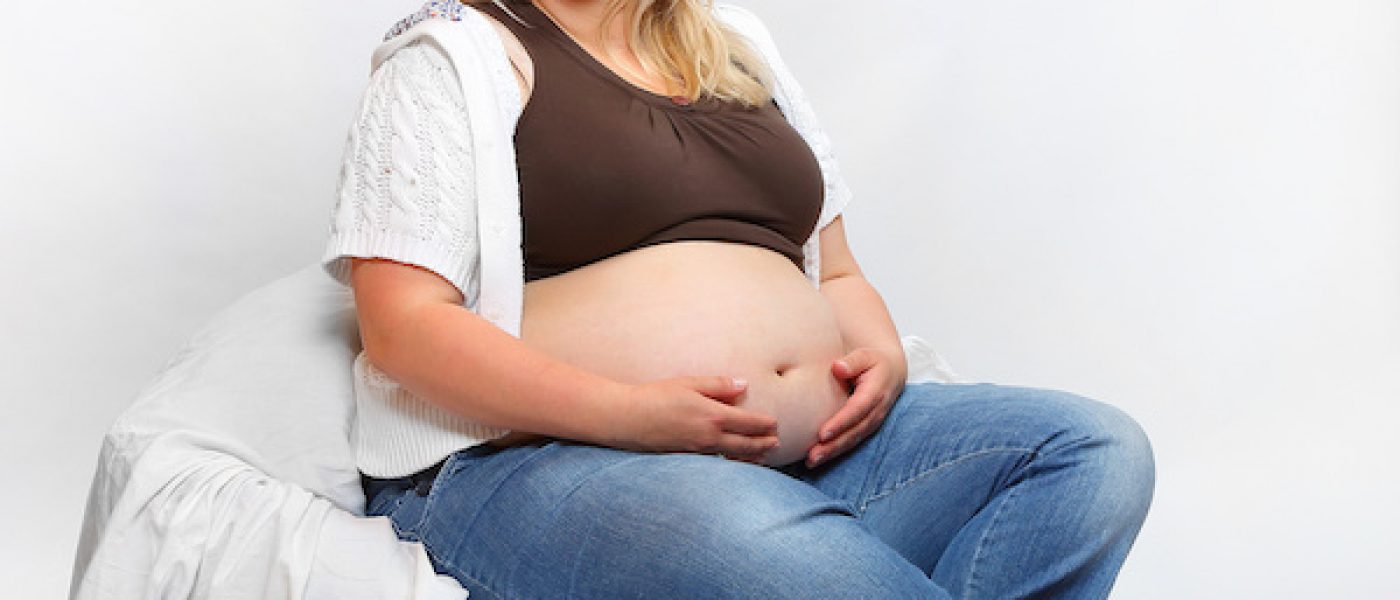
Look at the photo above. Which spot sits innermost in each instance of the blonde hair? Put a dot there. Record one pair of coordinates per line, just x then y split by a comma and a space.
682, 41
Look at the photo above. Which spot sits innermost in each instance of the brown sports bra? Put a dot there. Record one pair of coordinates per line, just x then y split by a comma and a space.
606, 167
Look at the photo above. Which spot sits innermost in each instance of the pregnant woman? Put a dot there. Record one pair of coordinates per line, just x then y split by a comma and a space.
645, 363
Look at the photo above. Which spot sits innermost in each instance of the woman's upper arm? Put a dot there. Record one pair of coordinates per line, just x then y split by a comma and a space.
837, 260
387, 291
405, 193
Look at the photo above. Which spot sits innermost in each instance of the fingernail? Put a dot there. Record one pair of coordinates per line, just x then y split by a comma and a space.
844, 365
740, 382
818, 458
825, 436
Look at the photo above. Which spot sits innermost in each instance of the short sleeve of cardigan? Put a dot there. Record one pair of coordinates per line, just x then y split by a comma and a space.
404, 191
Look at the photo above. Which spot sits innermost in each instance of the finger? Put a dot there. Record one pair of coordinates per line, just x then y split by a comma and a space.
857, 407
718, 387
747, 422
821, 453
755, 459
731, 444
748, 458
854, 363
852, 437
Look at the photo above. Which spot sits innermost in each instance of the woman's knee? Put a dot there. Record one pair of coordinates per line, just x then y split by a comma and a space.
1106, 443
1037, 419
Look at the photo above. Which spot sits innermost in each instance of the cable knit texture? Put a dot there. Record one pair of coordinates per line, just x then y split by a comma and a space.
428, 178
407, 166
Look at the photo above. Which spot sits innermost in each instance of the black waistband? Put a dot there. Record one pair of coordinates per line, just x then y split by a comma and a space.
421, 480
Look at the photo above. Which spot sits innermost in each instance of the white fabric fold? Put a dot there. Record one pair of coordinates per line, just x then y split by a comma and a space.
231, 475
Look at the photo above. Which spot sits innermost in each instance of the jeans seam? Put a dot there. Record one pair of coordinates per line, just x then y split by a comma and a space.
386, 508
983, 542
573, 573
459, 570
408, 535
882, 453
433, 488
455, 568
413, 528
433, 493
451, 564
930, 471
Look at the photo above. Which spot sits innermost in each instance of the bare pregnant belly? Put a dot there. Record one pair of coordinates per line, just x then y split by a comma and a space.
699, 308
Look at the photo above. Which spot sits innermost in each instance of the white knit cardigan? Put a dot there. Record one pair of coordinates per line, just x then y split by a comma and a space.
429, 178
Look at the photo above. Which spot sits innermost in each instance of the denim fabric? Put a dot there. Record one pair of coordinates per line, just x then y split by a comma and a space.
967, 491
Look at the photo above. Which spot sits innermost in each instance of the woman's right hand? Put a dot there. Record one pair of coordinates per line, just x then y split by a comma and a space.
693, 414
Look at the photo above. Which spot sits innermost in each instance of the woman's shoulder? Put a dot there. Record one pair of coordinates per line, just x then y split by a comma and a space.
440, 19
452, 30
452, 10
420, 68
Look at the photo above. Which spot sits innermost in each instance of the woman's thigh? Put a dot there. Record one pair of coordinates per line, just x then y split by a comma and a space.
572, 520
946, 450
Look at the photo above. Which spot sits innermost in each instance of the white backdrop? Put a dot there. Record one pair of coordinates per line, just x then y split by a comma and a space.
1188, 208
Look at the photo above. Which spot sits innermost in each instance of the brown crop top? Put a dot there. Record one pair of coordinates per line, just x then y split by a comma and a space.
606, 167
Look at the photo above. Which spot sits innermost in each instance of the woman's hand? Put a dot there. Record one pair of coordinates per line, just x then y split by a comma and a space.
692, 414
878, 379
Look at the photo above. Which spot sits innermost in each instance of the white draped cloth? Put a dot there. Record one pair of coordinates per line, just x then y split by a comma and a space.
231, 475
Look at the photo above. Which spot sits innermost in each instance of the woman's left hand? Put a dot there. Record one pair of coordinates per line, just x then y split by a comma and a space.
878, 381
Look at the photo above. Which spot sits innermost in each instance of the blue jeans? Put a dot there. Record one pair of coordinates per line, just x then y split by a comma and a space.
966, 491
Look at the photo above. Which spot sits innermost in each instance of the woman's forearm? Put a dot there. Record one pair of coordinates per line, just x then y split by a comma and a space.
863, 318
453, 358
